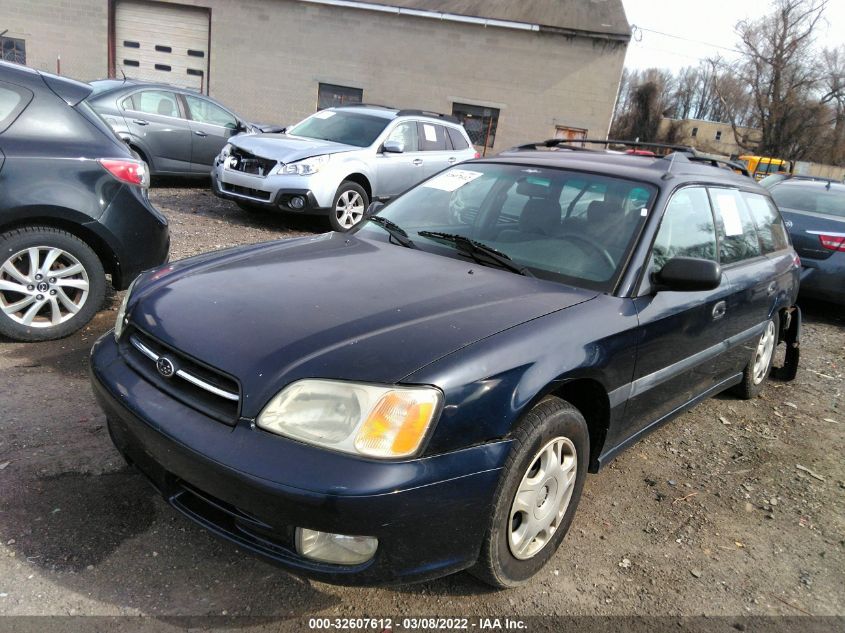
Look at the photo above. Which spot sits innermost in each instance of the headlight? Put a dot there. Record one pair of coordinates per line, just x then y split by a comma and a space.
227, 149
383, 422
304, 167
120, 321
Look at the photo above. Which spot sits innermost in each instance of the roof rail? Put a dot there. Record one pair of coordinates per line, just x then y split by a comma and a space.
687, 151
428, 113
365, 105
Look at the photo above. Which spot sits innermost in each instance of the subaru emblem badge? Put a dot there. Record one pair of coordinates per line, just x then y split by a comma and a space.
165, 367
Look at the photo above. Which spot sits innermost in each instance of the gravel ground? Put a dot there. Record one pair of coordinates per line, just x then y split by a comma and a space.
733, 509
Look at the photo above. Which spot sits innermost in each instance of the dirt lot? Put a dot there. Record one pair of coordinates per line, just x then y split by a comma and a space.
736, 508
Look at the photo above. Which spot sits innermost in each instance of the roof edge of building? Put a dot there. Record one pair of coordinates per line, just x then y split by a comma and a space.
467, 19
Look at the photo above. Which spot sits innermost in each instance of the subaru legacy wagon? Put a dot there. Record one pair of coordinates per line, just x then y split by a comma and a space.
427, 393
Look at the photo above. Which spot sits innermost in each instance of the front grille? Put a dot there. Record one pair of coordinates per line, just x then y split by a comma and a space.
245, 191
199, 386
244, 162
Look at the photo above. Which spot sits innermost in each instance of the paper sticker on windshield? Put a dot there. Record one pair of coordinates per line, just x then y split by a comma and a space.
453, 179
730, 214
430, 133
324, 114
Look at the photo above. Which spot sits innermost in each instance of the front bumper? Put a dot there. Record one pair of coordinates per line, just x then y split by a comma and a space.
273, 191
255, 488
824, 279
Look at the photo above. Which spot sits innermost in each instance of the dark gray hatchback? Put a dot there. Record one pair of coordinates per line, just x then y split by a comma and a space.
73, 209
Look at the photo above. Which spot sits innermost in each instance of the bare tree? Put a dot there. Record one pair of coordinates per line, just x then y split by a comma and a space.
782, 73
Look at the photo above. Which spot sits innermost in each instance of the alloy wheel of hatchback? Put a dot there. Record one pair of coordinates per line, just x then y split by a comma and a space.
42, 286
763, 355
542, 498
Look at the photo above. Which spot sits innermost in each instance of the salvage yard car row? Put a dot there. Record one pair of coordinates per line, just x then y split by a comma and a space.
473, 348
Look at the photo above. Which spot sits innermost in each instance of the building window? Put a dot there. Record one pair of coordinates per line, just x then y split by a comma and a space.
694, 132
330, 96
13, 50
479, 122
719, 135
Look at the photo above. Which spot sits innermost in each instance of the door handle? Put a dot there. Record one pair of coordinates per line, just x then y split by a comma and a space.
452, 160
200, 133
417, 161
140, 122
719, 310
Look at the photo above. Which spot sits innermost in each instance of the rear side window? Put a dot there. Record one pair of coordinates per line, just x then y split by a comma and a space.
687, 229
738, 238
768, 222
458, 140
432, 137
13, 99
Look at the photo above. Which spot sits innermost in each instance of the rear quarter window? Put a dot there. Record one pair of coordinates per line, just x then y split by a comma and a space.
13, 101
767, 220
458, 140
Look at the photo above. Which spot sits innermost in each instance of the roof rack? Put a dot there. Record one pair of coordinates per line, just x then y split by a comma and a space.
690, 153
428, 113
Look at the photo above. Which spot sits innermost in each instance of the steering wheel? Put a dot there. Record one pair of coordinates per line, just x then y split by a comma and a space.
601, 250
457, 208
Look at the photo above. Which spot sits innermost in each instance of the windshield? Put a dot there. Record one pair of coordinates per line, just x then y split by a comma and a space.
350, 128
563, 225
815, 197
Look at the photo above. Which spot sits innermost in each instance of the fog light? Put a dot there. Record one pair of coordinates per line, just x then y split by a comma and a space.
297, 202
335, 548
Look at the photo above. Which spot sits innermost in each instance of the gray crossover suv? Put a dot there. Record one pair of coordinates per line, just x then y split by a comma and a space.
339, 159
177, 131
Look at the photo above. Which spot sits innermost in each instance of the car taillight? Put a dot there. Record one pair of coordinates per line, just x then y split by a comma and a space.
833, 242
130, 171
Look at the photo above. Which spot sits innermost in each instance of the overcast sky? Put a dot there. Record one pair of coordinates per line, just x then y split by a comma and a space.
703, 28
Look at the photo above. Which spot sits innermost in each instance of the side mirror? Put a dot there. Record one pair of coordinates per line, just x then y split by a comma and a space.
375, 207
689, 274
393, 147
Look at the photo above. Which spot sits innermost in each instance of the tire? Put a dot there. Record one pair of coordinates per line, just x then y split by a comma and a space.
508, 557
350, 203
68, 300
756, 372
249, 207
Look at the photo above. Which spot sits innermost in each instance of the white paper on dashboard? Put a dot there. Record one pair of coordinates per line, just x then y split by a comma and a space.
324, 114
452, 180
730, 214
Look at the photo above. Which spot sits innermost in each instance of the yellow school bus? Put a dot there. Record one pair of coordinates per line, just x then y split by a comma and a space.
761, 166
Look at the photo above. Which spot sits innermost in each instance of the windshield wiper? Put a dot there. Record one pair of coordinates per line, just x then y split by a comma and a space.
396, 231
478, 251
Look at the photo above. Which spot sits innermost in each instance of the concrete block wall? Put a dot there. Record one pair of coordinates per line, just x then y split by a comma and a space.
76, 30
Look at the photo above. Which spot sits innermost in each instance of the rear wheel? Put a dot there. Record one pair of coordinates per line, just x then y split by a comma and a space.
537, 495
51, 284
350, 203
760, 364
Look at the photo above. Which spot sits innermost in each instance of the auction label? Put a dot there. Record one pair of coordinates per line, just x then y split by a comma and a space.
423, 623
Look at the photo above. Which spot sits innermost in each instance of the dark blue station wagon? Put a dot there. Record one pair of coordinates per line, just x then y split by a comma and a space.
427, 393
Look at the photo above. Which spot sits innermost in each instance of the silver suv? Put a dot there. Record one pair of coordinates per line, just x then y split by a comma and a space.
338, 160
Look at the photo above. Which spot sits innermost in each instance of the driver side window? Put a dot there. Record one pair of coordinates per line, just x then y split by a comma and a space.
687, 229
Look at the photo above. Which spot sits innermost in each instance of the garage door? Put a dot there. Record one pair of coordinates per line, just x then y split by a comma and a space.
157, 41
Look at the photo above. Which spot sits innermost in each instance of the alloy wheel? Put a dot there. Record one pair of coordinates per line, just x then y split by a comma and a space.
349, 208
42, 286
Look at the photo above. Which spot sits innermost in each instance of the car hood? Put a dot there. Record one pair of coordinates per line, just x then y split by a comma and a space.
333, 306
285, 148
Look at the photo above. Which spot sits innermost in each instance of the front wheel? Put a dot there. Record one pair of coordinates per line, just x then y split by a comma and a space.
350, 203
51, 284
537, 494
